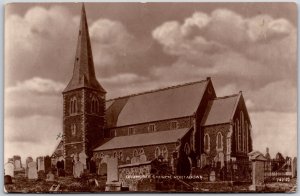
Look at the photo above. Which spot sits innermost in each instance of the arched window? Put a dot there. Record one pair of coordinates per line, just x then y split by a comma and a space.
120, 155
239, 136
142, 151
187, 149
219, 141
73, 105
206, 142
73, 129
115, 155
94, 105
165, 153
242, 131
135, 153
101, 155
246, 136
157, 152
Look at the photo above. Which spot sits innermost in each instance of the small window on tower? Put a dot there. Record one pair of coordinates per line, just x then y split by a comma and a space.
73, 129
73, 105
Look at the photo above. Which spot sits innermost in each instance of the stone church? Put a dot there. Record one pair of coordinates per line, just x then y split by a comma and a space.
186, 122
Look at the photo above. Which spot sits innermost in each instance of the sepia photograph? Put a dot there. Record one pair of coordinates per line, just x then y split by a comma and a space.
154, 97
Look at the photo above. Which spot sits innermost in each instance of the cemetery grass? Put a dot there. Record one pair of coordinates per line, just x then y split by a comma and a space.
68, 184
86, 184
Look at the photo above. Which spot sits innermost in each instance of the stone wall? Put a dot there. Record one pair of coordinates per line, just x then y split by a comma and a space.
137, 177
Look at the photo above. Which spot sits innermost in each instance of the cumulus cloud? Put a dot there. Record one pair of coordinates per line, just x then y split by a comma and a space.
33, 96
249, 52
39, 43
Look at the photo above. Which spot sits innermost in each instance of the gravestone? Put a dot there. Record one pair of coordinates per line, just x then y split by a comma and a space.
82, 158
212, 176
32, 171
28, 160
203, 160
9, 169
7, 179
294, 167
258, 170
112, 169
41, 164
47, 164
102, 170
17, 162
78, 169
50, 177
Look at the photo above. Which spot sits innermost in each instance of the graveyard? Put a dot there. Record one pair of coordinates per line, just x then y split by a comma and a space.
46, 176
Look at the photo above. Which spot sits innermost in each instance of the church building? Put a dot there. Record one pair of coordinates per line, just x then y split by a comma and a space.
186, 122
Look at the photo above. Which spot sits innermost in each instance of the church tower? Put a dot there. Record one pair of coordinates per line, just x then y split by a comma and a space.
83, 102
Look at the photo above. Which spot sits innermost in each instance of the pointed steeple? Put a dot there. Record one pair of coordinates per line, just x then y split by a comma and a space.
84, 71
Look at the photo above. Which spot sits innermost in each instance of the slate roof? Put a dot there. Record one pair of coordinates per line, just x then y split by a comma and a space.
84, 72
172, 102
220, 110
145, 139
58, 150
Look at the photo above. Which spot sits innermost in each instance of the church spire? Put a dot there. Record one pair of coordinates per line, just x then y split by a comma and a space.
84, 71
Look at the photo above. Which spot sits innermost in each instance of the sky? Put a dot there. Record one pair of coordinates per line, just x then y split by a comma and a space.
144, 46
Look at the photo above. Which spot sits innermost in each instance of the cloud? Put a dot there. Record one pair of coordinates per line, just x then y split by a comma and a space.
276, 130
33, 96
273, 97
250, 54
37, 85
43, 42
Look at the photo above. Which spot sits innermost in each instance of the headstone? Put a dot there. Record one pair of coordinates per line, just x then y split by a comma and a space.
7, 179
143, 158
221, 158
294, 167
9, 169
82, 158
47, 163
28, 160
41, 164
258, 170
112, 169
102, 170
212, 176
78, 169
17, 162
203, 159
32, 171
50, 177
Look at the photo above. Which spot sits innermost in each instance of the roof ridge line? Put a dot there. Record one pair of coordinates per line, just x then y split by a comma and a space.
159, 89
226, 96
